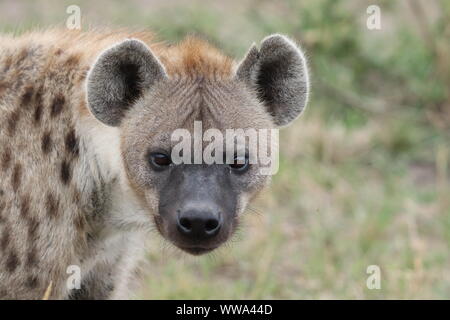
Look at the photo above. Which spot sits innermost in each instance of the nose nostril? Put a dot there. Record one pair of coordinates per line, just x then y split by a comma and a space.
211, 225
199, 225
186, 223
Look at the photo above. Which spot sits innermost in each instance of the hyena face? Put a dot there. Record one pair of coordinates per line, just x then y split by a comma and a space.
195, 205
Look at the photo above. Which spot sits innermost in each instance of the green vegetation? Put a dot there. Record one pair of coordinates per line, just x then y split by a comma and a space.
364, 174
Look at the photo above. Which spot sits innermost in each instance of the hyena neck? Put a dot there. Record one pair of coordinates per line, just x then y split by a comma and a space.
114, 205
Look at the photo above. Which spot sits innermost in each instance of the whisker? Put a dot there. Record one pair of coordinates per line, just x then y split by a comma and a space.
254, 210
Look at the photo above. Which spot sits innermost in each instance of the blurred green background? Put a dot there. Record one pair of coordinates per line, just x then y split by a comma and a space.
364, 173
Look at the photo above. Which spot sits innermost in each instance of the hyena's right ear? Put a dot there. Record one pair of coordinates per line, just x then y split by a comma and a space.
119, 77
278, 73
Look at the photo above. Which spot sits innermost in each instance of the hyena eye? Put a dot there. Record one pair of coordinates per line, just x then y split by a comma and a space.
159, 161
240, 164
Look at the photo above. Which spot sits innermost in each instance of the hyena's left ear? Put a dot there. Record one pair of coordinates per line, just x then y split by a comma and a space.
278, 72
119, 77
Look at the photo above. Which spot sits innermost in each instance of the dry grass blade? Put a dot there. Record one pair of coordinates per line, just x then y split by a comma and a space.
48, 292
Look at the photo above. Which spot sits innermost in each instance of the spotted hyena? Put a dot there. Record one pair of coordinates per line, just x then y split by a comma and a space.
85, 137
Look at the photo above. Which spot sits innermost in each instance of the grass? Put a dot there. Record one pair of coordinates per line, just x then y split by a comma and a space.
363, 177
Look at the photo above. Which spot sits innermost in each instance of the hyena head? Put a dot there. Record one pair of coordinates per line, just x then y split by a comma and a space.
195, 205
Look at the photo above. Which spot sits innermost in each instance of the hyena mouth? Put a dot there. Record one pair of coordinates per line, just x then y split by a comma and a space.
197, 251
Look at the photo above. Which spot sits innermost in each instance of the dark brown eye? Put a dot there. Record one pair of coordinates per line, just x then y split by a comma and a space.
159, 161
240, 164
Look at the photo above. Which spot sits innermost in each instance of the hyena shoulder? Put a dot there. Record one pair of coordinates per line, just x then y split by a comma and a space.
52, 190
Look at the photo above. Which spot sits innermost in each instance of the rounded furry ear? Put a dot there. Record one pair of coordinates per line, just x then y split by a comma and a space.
119, 77
278, 72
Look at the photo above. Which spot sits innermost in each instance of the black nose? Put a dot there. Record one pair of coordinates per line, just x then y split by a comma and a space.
199, 225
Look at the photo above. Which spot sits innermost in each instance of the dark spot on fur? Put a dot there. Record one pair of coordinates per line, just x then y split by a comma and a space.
52, 206
33, 225
12, 262
97, 201
91, 238
58, 52
7, 64
39, 94
109, 287
37, 113
46, 143
71, 142
32, 257
6, 159
65, 173
32, 282
5, 239
13, 119
25, 206
72, 61
38, 106
16, 176
22, 55
2, 206
57, 105
26, 97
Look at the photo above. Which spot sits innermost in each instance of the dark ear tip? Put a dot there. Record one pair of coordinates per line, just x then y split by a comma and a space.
134, 43
253, 52
274, 37
279, 41
127, 45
